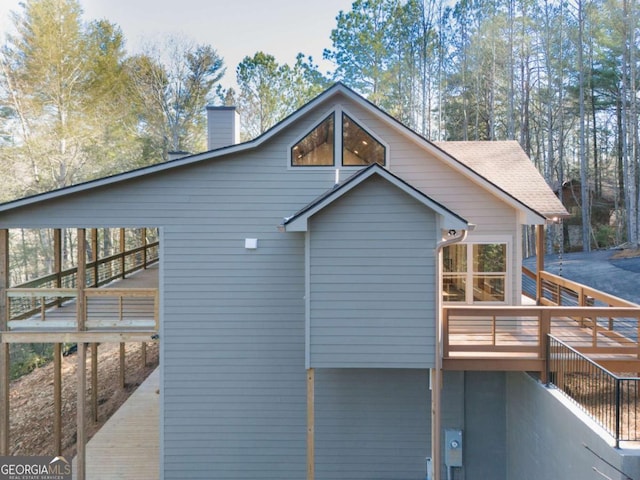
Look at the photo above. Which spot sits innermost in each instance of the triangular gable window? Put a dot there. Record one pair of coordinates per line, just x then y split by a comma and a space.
316, 149
356, 146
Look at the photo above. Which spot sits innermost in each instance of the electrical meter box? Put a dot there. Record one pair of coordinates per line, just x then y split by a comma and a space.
453, 448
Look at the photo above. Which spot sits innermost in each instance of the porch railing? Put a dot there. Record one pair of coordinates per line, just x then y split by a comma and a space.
558, 290
610, 400
34, 297
514, 333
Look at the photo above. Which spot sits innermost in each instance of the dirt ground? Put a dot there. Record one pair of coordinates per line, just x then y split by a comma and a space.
627, 253
31, 398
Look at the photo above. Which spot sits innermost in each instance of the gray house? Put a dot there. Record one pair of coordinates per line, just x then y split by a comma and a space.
304, 278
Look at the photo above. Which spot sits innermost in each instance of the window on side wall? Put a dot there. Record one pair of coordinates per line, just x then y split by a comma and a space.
474, 273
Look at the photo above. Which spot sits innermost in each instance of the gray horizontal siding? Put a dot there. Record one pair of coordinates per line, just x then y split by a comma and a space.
372, 424
232, 327
372, 313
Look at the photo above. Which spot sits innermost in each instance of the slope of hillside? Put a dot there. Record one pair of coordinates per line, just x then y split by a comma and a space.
31, 399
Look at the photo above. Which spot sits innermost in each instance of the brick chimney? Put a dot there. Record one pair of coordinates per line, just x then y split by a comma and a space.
223, 127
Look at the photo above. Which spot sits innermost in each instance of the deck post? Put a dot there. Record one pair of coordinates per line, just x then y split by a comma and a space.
122, 366
81, 279
143, 239
123, 248
94, 255
4, 347
311, 450
436, 414
539, 261
81, 282
5, 362
143, 354
57, 398
94, 346
94, 382
81, 456
57, 259
543, 340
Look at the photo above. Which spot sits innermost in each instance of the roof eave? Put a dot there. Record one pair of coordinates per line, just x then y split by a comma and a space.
299, 222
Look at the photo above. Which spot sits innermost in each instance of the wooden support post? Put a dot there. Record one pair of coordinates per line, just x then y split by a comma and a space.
81, 413
539, 261
144, 244
143, 354
5, 363
94, 255
57, 259
5, 360
81, 279
311, 451
123, 248
122, 366
543, 340
94, 382
57, 398
436, 414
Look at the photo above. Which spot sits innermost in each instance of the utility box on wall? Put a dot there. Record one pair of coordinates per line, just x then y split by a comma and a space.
453, 448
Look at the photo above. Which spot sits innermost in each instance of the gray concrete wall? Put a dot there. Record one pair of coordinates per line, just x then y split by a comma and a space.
475, 403
547, 440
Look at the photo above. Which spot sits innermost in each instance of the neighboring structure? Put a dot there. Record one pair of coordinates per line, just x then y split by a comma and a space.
604, 211
302, 280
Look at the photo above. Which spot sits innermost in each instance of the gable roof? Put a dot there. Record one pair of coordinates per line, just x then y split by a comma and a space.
506, 165
298, 222
487, 182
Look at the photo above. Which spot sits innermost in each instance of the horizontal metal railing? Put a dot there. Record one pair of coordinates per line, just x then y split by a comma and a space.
610, 400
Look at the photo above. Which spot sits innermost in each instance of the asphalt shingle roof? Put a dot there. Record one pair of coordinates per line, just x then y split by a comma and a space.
507, 166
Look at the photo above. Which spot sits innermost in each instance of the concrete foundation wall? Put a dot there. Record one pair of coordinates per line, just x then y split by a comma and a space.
475, 403
547, 440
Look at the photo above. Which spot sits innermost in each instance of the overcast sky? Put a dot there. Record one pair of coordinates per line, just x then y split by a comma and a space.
235, 28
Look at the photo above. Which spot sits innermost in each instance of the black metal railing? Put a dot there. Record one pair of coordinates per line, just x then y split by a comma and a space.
610, 400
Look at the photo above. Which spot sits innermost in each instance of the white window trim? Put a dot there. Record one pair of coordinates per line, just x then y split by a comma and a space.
337, 142
508, 281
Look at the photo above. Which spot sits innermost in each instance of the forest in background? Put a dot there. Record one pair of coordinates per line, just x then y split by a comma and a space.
560, 77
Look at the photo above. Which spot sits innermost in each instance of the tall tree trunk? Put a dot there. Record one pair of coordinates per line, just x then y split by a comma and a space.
584, 166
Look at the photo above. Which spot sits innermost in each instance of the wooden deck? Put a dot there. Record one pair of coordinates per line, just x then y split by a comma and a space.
515, 338
128, 305
127, 446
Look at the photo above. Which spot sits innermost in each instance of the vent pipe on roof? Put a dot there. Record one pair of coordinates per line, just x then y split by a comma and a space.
223, 127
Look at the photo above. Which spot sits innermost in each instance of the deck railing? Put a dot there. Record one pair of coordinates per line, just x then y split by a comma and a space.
558, 290
610, 400
34, 297
518, 333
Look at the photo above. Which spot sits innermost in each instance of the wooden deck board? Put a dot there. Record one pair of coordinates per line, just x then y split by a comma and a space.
127, 446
